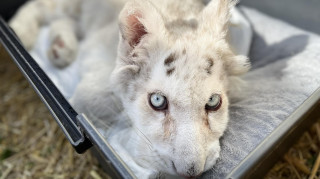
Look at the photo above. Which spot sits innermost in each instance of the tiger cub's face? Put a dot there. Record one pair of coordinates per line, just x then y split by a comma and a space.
173, 86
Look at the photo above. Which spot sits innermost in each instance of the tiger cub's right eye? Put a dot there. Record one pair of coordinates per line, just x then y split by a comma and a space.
158, 101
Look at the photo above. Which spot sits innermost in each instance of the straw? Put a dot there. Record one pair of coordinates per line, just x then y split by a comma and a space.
31, 143
315, 167
303, 159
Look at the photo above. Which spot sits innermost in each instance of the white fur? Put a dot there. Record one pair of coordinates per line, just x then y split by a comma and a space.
184, 140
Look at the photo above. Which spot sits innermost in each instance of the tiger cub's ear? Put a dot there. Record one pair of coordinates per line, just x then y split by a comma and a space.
215, 17
138, 19
237, 65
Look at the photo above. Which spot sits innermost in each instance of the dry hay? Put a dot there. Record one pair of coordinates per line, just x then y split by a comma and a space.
303, 159
31, 143
33, 146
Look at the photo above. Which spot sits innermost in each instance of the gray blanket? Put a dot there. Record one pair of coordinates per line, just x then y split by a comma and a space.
286, 70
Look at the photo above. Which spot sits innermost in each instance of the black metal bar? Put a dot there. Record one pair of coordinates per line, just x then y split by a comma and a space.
272, 148
59, 107
118, 169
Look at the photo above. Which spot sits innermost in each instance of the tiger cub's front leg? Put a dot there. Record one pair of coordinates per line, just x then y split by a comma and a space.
29, 18
63, 42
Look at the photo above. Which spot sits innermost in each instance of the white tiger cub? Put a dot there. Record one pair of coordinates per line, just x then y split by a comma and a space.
172, 74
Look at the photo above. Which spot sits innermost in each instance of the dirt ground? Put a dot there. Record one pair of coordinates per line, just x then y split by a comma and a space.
33, 146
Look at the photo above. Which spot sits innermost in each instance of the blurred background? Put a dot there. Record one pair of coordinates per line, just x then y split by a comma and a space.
9, 7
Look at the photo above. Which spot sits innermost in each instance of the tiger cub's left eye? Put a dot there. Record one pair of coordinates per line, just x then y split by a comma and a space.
214, 103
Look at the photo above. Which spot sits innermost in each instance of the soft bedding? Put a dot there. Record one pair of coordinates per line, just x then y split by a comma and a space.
285, 71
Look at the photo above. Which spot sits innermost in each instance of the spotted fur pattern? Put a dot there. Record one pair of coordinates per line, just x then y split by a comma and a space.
175, 48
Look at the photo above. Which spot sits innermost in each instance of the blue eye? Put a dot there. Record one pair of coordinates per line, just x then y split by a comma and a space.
214, 103
158, 101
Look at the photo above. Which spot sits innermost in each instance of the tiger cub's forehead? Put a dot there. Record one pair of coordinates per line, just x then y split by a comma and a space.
189, 65
186, 77
185, 71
